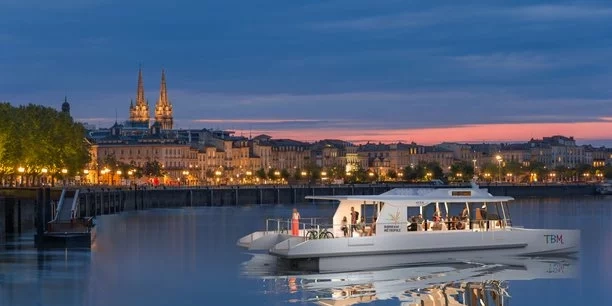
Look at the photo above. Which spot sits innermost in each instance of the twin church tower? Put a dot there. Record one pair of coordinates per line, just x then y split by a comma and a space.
139, 113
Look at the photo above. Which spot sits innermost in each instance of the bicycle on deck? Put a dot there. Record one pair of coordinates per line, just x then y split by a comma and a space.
319, 233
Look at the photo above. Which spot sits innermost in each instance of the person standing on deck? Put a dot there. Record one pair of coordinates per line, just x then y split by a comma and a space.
295, 222
354, 218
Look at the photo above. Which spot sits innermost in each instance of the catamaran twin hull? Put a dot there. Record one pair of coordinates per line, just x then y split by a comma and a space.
340, 254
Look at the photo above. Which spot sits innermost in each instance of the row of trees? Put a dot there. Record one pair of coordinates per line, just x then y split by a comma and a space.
459, 171
39, 141
149, 169
536, 170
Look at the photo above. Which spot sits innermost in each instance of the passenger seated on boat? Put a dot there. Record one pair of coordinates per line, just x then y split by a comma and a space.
421, 224
413, 226
465, 214
452, 224
372, 229
437, 216
494, 217
360, 226
437, 226
344, 226
459, 225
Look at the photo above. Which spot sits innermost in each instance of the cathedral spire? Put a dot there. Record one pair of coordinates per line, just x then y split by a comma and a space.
140, 97
163, 108
163, 93
139, 113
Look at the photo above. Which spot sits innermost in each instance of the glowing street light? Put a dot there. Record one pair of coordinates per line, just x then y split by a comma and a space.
21, 169
499, 160
64, 171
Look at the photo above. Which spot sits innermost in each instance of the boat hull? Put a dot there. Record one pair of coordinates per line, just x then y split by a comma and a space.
423, 248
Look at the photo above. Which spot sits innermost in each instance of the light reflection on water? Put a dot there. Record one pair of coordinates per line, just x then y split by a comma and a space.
453, 283
189, 257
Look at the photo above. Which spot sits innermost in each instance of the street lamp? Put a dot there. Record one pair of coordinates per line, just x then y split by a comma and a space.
64, 171
499, 160
474, 161
21, 170
186, 174
218, 174
44, 176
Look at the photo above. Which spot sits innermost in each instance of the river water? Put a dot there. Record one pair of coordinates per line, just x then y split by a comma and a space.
189, 257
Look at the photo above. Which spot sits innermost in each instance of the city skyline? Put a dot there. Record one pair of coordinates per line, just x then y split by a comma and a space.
405, 72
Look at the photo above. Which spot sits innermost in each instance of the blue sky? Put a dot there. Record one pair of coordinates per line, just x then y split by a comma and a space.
312, 65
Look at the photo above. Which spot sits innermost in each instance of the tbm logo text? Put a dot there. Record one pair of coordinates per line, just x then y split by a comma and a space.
554, 239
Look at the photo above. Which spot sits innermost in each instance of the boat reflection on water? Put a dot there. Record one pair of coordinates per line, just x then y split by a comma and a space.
452, 283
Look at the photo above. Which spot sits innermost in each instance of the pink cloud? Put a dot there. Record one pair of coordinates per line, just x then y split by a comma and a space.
465, 133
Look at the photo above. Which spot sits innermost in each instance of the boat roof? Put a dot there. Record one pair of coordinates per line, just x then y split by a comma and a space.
422, 196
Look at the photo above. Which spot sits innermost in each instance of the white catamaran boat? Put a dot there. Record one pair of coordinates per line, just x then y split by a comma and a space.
408, 226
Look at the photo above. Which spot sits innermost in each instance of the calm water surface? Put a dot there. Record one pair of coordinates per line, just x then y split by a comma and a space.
189, 257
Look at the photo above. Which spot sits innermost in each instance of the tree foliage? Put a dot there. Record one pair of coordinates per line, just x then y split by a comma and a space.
37, 137
152, 169
261, 174
462, 171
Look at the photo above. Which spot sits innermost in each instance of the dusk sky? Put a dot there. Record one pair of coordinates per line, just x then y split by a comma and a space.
357, 70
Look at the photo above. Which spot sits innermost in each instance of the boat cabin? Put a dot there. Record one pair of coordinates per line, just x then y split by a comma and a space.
427, 209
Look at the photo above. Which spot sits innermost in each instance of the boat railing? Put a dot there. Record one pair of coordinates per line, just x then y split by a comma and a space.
284, 226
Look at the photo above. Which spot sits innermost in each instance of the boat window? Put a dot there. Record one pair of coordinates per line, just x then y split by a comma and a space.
428, 211
497, 210
412, 212
455, 208
368, 211
507, 211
